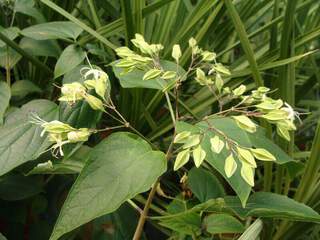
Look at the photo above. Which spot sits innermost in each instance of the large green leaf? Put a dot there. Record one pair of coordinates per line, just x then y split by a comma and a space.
229, 127
72, 165
11, 33
186, 223
27, 7
20, 140
15, 187
253, 231
134, 79
46, 48
8, 57
118, 168
22, 88
222, 223
71, 57
271, 205
204, 185
4, 99
53, 30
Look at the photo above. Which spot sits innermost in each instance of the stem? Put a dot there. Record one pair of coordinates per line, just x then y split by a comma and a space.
145, 211
144, 214
8, 77
170, 108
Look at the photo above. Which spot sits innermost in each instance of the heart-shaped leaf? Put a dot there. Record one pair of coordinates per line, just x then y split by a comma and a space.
118, 168
20, 140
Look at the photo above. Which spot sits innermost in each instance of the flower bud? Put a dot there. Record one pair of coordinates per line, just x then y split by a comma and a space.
80, 135
95, 103
56, 127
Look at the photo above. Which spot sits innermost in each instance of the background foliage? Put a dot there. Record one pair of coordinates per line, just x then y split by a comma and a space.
45, 43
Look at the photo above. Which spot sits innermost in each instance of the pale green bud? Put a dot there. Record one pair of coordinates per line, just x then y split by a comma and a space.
276, 115
176, 52
230, 166
151, 74
218, 82
216, 144
198, 155
201, 77
169, 75
124, 52
239, 90
182, 137
181, 159
192, 141
56, 127
192, 42
262, 154
263, 89
95, 103
125, 63
245, 123
247, 173
208, 56
283, 132
246, 156
80, 135
218, 67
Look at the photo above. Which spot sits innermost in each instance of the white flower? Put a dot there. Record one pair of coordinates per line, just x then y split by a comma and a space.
292, 115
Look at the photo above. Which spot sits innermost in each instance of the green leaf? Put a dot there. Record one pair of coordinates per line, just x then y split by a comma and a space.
4, 99
20, 140
79, 23
245, 139
204, 185
262, 154
187, 223
27, 7
71, 57
11, 33
222, 223
24, 87
134, 79
72, 165
8, 57
118, 168
53, 30
253, 231
2, 237
15, 187
271, 205
42, 48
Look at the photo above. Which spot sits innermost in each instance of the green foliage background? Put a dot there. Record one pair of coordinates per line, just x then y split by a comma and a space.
44, 43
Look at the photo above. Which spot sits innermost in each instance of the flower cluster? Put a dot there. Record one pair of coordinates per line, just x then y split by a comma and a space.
60, 133
96, 80
276, 112
147, 61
